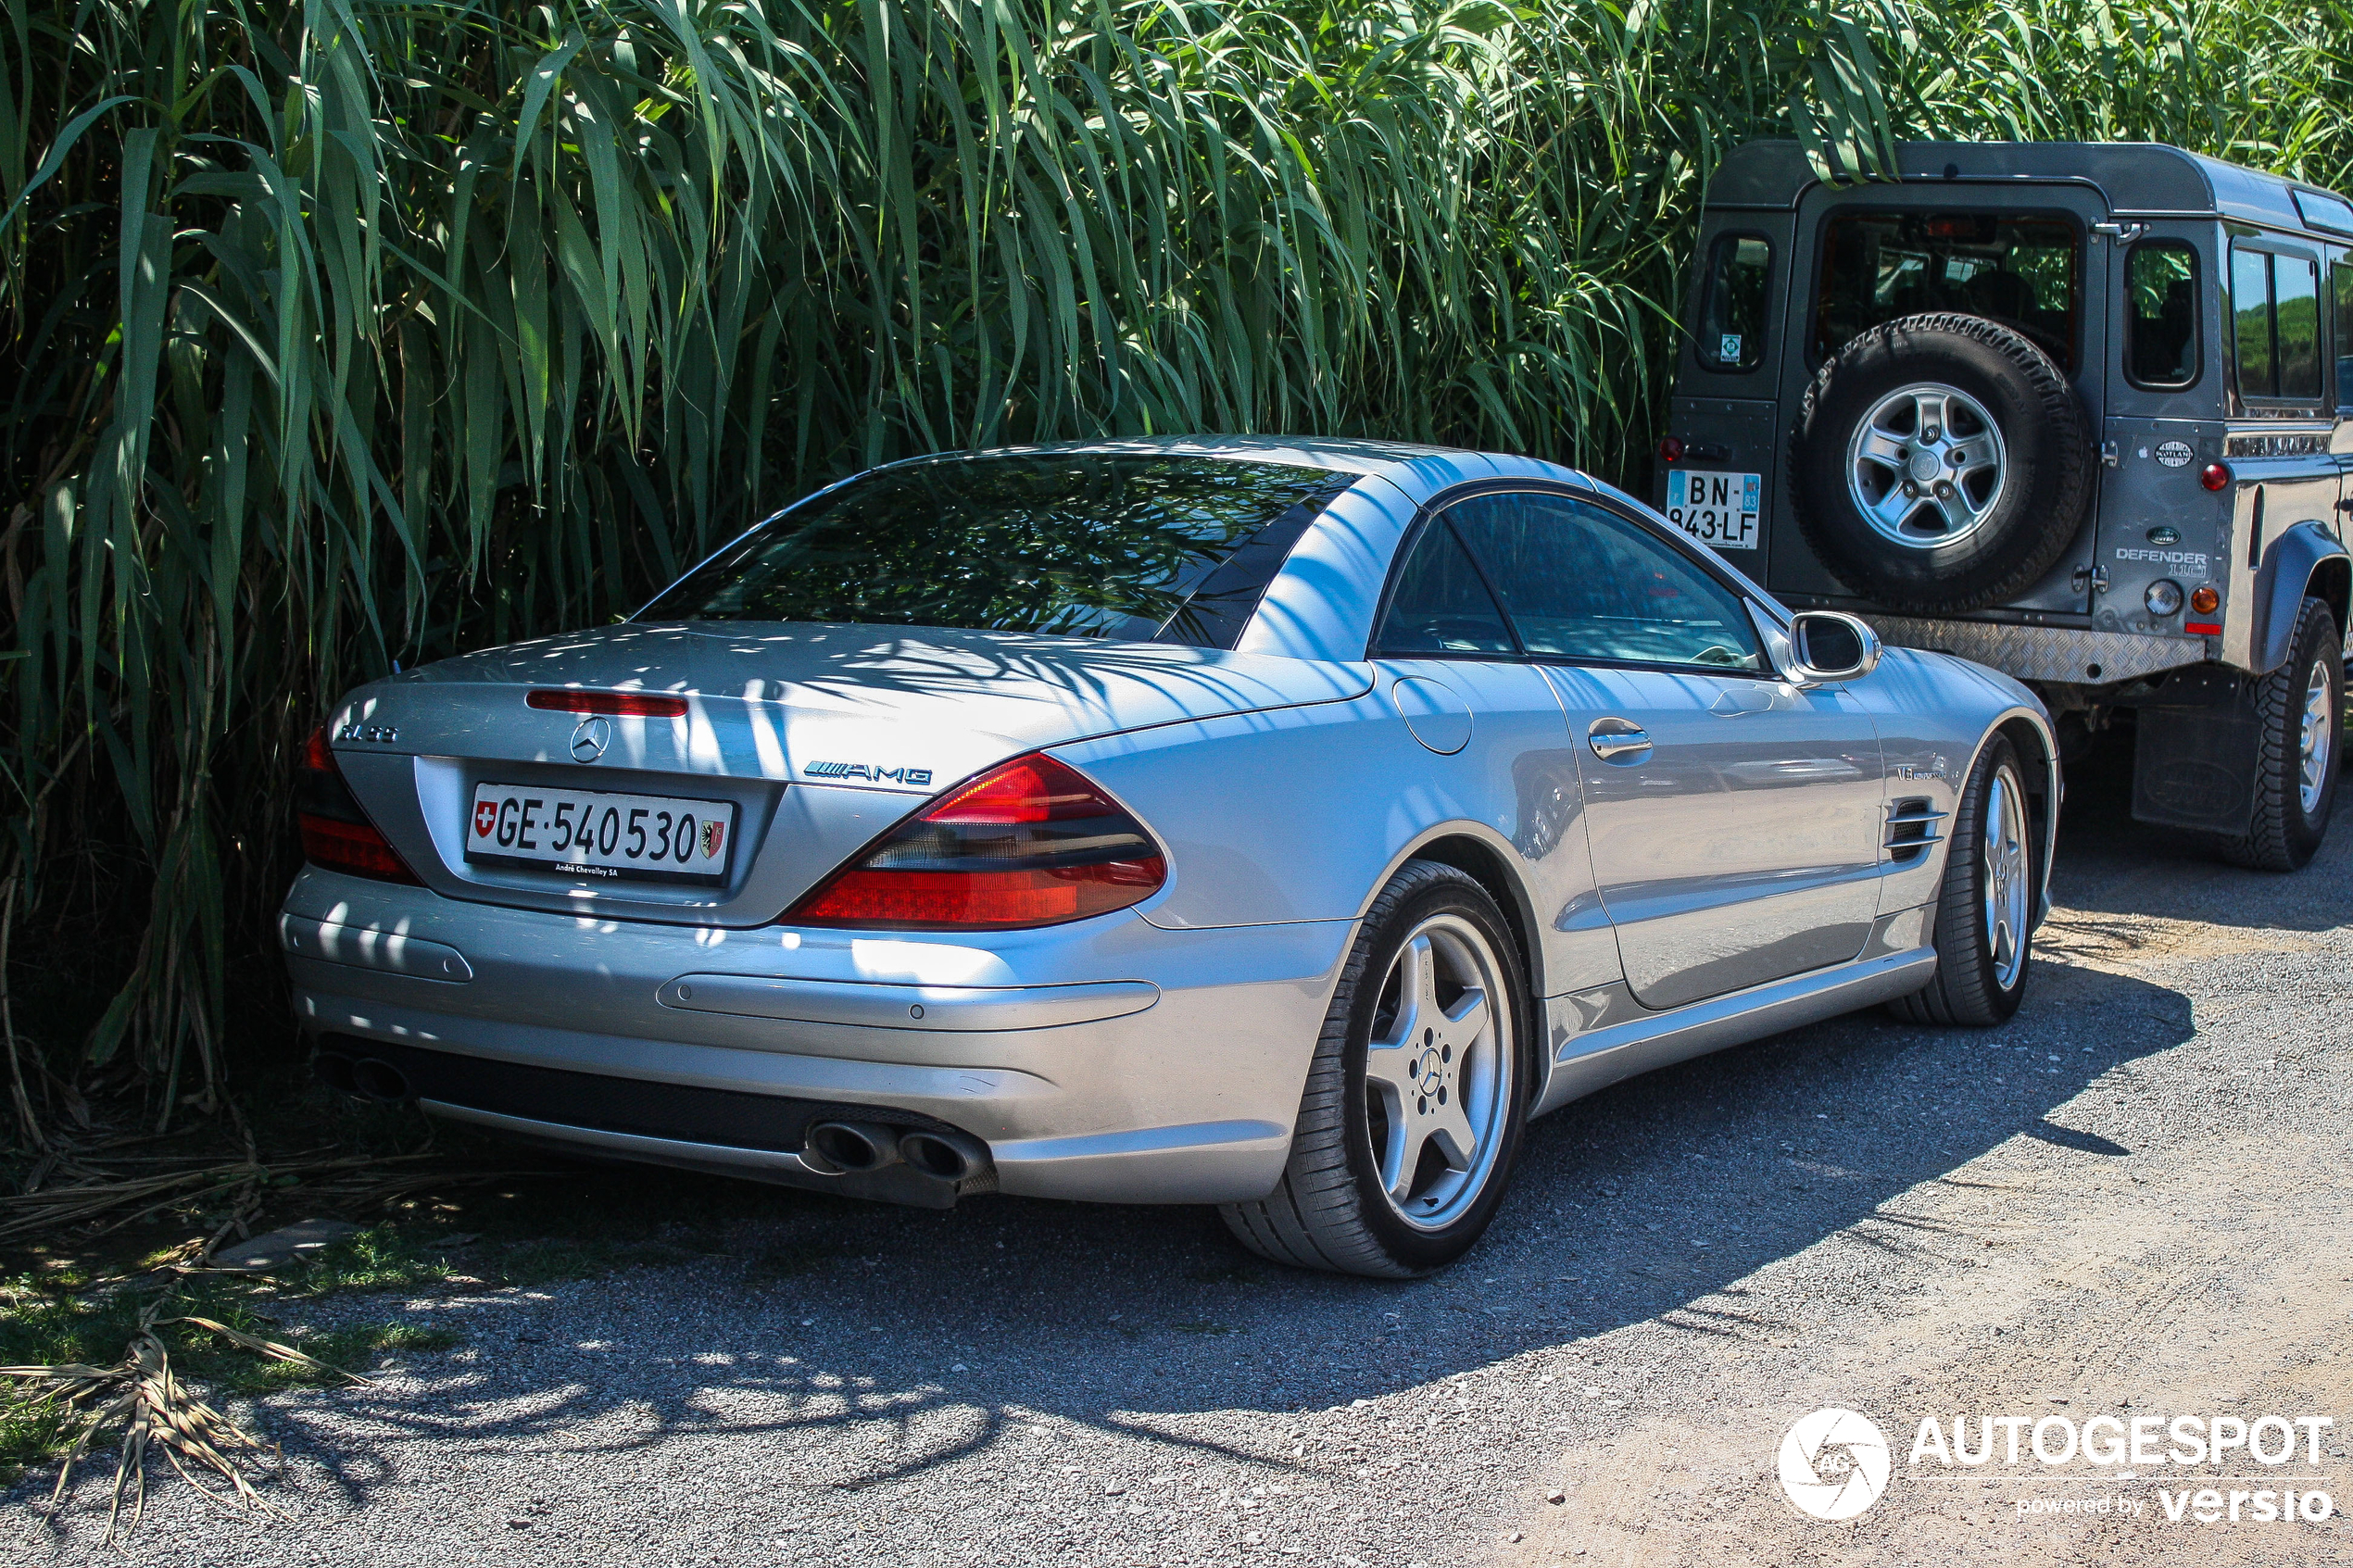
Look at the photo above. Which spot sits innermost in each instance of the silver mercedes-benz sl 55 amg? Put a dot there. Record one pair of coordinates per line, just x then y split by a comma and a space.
1272, 824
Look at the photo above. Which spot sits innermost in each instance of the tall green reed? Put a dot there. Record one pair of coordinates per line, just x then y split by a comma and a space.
347, 332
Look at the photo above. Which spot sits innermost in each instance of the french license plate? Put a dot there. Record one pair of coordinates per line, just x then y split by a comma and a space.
591, 834
1719, 509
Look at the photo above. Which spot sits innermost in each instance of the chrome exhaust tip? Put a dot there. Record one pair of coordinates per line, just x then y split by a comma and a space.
837, 1146
949, 1156
380, 1080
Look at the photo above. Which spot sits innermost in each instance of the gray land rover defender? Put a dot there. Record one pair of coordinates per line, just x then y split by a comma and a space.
2083, 412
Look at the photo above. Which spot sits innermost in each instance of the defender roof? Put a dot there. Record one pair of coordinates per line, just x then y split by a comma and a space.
2139, 178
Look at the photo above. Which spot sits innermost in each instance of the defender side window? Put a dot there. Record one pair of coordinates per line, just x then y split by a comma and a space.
2341, 314
2275, 325
2160, 340
1731, 315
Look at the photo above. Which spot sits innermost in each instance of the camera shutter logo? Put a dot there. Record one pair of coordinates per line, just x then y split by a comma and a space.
1834, 1464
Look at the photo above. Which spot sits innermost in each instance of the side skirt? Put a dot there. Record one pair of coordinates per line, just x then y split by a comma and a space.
1597, 1043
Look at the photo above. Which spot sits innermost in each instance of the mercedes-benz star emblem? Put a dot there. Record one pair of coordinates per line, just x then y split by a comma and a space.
589, 741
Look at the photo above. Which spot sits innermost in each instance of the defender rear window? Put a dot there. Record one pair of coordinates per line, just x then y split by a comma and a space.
2160, 337
2275, 325
1879, 266
1170, 549
1731, 316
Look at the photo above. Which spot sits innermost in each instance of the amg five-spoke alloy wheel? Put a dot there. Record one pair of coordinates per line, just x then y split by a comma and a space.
1417, 1098
1985, 916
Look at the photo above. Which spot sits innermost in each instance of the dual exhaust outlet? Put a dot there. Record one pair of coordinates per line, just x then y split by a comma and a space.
833, 1149
837, 1148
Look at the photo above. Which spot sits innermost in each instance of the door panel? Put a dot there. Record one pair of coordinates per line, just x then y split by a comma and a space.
1734, 821
1510, 766
1744, 846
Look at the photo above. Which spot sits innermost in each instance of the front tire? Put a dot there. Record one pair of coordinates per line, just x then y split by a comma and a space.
1986, 910
1418, 1096
2297, 712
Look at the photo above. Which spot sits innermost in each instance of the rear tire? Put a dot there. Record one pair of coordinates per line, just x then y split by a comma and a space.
2298, 710
1413, 1110
1985, 911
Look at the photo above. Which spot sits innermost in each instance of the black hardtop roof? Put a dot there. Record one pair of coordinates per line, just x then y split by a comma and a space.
2139, 178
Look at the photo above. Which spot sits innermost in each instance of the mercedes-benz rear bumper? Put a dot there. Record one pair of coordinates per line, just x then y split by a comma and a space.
1107, 1059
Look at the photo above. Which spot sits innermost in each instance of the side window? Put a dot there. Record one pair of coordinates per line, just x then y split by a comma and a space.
1583, 583
1731, 315
2251, 322
2341, 314
2160, 340
2275, 325
2295, 324
1440, 605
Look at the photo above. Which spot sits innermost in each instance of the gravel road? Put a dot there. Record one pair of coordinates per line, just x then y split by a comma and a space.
2132, 1194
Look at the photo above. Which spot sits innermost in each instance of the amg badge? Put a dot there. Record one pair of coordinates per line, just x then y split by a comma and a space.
872, 771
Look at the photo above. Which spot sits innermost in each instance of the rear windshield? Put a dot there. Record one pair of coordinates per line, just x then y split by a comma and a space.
1878, 267
1173, 550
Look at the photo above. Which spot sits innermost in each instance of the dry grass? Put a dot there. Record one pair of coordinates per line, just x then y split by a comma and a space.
74, 1403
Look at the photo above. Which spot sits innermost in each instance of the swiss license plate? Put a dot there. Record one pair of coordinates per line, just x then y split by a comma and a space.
604, 837
1719, 509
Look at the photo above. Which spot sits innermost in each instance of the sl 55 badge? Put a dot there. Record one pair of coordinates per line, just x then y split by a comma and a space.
368, 732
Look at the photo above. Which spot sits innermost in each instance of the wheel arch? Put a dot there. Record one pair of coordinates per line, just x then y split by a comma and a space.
2300, 563
1486, 859
2037, 744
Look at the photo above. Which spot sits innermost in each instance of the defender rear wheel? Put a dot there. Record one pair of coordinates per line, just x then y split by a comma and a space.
1417, 1095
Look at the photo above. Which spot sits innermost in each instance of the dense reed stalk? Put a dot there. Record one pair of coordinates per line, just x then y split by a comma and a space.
351, 332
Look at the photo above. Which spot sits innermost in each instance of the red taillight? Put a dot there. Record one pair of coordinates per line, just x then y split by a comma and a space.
1030, 842
2203, 628
2214, 476
336, 834
1671, 449
617, 705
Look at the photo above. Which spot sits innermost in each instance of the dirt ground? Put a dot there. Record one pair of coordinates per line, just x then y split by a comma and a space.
2207, 1274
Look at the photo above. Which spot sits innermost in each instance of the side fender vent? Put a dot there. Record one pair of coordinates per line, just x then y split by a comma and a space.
1912, 826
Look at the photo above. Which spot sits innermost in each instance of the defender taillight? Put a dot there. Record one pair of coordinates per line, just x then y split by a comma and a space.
1030, 842
336, 834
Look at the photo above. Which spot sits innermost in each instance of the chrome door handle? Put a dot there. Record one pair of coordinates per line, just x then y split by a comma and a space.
1618, 740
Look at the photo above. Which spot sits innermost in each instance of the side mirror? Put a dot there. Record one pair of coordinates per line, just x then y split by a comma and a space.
1827, 645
